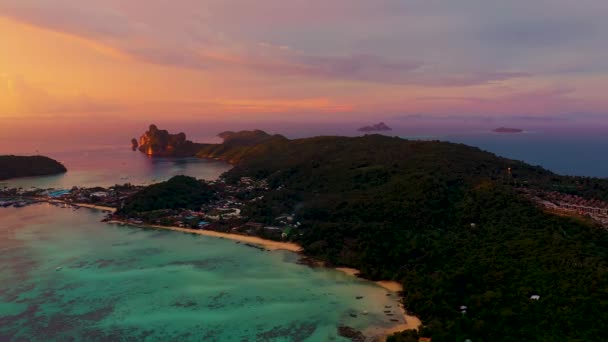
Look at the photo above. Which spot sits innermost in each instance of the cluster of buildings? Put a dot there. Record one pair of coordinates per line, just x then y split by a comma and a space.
566, 204
19, 197
112, 197
222, 214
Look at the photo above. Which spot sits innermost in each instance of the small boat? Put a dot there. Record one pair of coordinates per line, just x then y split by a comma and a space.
359, 297
58, 268
353, 315
365, 312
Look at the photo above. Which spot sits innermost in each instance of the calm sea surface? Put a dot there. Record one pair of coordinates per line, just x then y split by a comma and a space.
118, 165
573, 155
121, 283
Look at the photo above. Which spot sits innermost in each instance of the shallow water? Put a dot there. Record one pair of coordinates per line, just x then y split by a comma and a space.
120, 283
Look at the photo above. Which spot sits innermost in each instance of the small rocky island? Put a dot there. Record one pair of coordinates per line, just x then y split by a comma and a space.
380, 127
134, 144
507, 130
160, 143
31, 166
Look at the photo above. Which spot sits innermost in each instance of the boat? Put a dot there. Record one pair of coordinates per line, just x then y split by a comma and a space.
59, 268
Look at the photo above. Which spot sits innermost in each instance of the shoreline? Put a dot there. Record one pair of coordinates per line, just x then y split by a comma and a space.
97, 207
410, 322
268, 244
84, 205
389, 285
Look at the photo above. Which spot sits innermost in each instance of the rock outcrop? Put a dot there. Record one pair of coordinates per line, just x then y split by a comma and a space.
236, 145
156, 142
134, 144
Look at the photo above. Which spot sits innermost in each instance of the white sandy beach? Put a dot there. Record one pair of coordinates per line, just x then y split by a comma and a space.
268, 244
84, 205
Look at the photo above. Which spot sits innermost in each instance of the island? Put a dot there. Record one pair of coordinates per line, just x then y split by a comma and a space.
380, 127
235, 145
28, 166
160, 143
484, 246
507, 130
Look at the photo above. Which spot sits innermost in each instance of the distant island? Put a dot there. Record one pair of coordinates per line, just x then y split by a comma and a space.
156, 142
380, 127
161, 143
20, 166
485, 246
507, 130
134, 144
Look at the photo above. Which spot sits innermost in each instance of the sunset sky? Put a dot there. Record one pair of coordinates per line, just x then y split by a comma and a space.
302, 59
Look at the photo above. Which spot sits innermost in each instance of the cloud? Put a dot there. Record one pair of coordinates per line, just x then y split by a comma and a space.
23, 98
61, 15
372, 53
185, 40
530, 103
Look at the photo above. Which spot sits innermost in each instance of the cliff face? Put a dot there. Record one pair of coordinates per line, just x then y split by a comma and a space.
156, 142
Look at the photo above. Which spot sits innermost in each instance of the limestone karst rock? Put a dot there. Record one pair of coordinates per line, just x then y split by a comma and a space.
156, 142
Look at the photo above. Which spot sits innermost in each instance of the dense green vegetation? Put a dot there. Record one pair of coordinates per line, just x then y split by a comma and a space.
238, 145
444, 219
447, 221
176, 193
18, 166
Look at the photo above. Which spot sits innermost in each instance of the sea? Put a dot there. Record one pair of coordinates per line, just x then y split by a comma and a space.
66, 276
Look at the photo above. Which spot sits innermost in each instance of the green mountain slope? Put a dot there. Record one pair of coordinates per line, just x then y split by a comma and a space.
446, 220
179, 192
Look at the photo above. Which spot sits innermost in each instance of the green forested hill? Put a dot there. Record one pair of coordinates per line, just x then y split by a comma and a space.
19, 166
238, 145
444, 219
179, 192
447, 221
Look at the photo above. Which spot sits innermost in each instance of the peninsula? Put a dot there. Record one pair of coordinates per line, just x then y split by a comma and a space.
30, 166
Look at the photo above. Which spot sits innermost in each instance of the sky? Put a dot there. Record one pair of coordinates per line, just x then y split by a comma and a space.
97, 61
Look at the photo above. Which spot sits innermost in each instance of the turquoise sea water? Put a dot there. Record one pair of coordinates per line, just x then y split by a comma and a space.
118, 283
